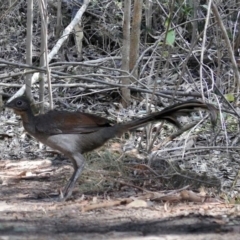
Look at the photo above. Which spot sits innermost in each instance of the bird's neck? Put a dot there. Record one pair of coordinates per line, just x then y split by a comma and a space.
28, 120
27, 116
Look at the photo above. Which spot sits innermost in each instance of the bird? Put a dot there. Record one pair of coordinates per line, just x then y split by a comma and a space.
75, 133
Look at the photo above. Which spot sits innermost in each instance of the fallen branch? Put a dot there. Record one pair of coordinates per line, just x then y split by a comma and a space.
106, 204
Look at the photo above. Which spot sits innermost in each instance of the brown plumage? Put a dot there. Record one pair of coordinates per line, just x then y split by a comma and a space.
74, 133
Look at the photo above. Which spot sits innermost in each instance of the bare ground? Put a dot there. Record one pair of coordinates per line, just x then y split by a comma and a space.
28, 211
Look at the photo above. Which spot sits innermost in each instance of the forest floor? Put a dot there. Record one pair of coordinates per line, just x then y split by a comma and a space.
28, 211
109, 201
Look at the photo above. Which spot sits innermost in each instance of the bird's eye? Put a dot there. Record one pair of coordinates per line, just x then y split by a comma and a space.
19, 103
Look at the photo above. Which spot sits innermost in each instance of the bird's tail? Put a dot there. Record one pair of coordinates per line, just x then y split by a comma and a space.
171, 113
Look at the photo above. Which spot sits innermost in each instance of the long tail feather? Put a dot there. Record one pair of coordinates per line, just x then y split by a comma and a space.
171, 113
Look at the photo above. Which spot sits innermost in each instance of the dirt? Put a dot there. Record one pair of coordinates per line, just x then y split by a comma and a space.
29, 211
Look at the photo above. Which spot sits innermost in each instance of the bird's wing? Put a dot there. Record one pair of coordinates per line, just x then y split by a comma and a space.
62, 122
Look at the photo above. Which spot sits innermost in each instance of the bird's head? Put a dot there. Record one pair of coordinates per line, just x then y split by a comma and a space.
20, 105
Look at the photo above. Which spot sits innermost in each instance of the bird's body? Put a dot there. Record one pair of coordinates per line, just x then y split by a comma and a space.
54, 127
74, 133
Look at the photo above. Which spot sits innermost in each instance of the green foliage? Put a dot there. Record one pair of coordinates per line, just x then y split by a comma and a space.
186, 10
229, 97
170, 39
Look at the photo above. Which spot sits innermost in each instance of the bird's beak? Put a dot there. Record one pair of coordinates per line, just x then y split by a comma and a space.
9, 105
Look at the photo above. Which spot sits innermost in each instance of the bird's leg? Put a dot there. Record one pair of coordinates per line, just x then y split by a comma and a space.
78, 164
